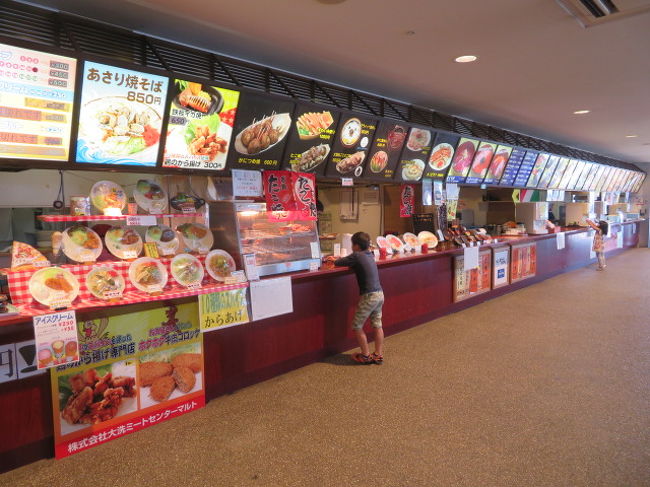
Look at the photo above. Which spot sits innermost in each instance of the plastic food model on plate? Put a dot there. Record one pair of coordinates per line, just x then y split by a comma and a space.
53, 284
219, 264
164, 237
396, 244
150, 196
196, 237
25, 256
148, 275
123, 243
105, 283
107, 194
425, 237
81, 244
187, 270
384, 244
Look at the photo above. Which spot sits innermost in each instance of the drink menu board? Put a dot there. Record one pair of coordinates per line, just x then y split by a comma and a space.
566, 178
481, 163
577, 172
538, 170
441, 155
549, 170
498, 164
311, 138
462, 160
351, 145
525, 169
390, 138
260, 132
36, 98
415, 154
120, 118
199, 131
559, 172
512, 168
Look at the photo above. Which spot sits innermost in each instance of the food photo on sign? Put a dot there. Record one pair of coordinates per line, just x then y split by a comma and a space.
200, 127
441, 155
351, 146
462, 160
415, 153
385, 150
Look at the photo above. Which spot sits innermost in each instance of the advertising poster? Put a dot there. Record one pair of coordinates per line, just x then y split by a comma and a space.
304, 195
499, 161
524, 262
120, 118
407, 201
390, 138
549, 170
462, 160
475, 281
481, 163
136, 370
500, 268
351, 145
223, 309
441, 156
538, 170
415, 154
526, 168
512, 168
199, 131
56, 341
261, 132
559, 173
311, 139
36, 98
278, 191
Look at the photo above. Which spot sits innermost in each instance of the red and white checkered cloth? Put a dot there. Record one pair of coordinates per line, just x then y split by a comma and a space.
87, 218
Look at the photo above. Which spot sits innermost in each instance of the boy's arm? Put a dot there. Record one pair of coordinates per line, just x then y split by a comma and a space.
592, 224
347, 261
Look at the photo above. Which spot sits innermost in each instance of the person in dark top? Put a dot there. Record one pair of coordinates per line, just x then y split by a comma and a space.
362, 262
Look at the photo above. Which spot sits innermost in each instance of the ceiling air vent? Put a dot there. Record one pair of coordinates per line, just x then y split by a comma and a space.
594, 12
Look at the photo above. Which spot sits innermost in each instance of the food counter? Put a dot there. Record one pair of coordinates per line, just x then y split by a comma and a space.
418, 289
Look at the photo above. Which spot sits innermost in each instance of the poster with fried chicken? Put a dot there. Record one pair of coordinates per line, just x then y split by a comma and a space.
129, 377
199, 132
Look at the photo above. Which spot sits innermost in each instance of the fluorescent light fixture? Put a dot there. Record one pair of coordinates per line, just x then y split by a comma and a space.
581, 112
631, 136
466, 59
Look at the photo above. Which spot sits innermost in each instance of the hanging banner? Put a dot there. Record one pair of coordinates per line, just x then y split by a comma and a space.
279, 194
304, 193
407, 201
136, 370
223, 309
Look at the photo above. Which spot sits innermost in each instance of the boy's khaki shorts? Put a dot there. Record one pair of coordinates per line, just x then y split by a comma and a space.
369, 306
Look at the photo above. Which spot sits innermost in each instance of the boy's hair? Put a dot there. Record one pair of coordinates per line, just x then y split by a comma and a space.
362, 239
604, 226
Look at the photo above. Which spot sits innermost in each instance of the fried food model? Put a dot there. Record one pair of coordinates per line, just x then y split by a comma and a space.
163, 378
192, 361
184, 378
161, 388
150, 371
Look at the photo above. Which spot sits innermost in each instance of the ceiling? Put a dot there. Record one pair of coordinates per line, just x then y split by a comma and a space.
536, 65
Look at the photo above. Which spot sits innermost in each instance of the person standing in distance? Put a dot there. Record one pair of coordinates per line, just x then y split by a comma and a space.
598, 246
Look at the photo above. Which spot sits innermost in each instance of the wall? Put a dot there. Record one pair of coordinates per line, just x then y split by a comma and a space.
369, 215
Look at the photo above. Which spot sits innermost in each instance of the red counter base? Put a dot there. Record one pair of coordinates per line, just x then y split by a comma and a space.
418, 289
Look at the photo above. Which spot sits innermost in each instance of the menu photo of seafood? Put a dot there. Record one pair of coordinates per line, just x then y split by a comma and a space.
481, 163
498, 164
462, 160
351, 146
441, 155
200, 128
120, 118
311, 139
385, 150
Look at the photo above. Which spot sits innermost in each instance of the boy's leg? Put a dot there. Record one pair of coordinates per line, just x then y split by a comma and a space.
364, 308
376, 323
379, 341
362, 340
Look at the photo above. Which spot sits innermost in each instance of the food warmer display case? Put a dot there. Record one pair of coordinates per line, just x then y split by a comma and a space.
279, 246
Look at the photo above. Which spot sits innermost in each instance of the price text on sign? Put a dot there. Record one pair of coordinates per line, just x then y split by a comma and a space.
142, 220
56, 338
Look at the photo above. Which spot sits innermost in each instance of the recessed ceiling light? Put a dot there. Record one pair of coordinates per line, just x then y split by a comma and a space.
330, 2
581, 112
466, 59
631, 136
410, 32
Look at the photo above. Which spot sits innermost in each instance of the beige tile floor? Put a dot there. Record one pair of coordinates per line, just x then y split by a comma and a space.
546, 386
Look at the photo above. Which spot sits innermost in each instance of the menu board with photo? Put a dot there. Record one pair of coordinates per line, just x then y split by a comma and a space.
639, 182
604, 182
590, 170
512, 168
597, 182
415, 154
622, 180
566, 178
582, 178
481, 163
120, 117
36, 98
577, 172
549, 170
441, 155
199, 132
636, 176
351, 145
613, 185
498, 164
525, 169
311, 138
538, 170
628, 181
462, 160
559, 172
390, 138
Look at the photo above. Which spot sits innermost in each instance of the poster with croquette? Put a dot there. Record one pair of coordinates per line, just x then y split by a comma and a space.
199, 132
128, 377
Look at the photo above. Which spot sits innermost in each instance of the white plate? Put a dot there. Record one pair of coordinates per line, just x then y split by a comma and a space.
150, 196
53, 284
184, 263
351, 132
215, 257
104, 273
107, 194
155, 234
416, 174
445, 160
425, 237
192, 242
383, 243
281, 121
81, 244
156, 285
415, 145
396, 244
115, 246
410, 239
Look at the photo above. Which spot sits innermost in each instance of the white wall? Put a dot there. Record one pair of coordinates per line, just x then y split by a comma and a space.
369, 219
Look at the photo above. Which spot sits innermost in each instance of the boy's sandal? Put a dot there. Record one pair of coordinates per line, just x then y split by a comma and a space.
362, 359
377, 358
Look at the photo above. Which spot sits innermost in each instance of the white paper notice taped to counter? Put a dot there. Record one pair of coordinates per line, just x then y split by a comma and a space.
271, 297
619, 238
470, 258
560, 240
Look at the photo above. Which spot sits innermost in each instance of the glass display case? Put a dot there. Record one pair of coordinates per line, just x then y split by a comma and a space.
279, 246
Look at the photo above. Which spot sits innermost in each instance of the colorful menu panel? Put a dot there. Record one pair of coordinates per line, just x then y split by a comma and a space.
311, 138
577, 172
598, 180
639, 182
614, 181
604, 181
415, 154
462, 160
559, 172
351, 146
549, 170
498, 164
36, 98
593, 169
199, 132
481, 163
390, 137
538, 170
590, 169
526, 168
512, 168
634, 181
628, 181
260, 133
566, 178
441, 156
120, 118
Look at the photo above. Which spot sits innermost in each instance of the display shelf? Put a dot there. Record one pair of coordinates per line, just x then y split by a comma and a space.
73, 218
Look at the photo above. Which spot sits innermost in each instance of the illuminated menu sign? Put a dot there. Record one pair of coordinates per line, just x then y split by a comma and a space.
498, 164
415, 154
511, 170
526, 168
577, 172
120, 118
441, 156
639, 182
587, 175
549, 170
351, 145
596, 183
566, 178
199, 132
481, 163
559, 172
462, 160
384, 155
604, 179
36, 98
538, 170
